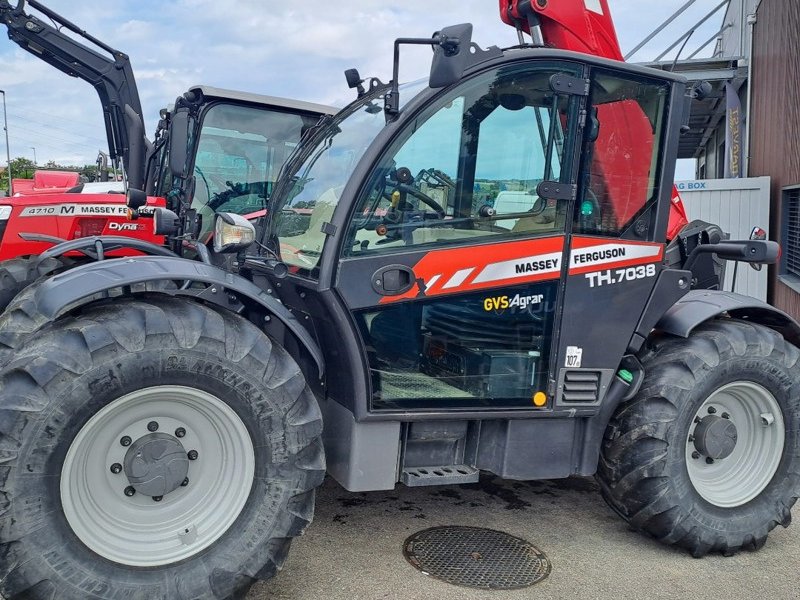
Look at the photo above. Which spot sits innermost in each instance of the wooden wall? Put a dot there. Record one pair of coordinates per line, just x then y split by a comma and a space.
775, 117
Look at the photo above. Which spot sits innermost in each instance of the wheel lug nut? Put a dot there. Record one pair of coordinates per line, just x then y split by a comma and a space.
126, 440
695, 455
709, 461
726, 416
712, 410
129, 491
697, 419
192, 454
185, 482
180, 432
116, 468
158, 498
691, 439
152, 426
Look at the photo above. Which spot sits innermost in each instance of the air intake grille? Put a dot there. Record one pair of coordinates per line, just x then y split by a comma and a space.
581, 387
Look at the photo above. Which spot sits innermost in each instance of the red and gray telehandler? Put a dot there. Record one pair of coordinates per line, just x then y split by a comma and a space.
453, 277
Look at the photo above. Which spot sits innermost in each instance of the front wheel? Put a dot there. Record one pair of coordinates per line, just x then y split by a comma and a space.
707, 455
18, 273
154, 448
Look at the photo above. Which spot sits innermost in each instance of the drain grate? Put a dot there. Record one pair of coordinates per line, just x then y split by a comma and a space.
475, 557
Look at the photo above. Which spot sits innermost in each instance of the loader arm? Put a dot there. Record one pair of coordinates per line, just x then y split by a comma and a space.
587, 26
111, 76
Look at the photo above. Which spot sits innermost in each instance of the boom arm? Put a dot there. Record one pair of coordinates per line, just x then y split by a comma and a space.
581, 26
112, 77
578, 25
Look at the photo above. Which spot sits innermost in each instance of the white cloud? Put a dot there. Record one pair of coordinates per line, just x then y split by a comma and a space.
284, 49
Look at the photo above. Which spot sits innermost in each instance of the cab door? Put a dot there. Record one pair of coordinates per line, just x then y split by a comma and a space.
455, 248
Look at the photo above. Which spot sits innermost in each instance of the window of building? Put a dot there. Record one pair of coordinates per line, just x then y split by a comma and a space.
791, 232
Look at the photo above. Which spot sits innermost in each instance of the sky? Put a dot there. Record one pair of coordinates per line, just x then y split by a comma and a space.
291, 49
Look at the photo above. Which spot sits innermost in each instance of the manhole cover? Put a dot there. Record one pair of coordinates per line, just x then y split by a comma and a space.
474, 557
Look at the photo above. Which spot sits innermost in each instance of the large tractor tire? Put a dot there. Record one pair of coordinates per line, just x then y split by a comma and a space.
152, 449
21, 318
707, 455
18, 273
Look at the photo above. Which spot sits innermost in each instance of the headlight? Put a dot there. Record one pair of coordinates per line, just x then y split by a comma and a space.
5, 213
232, 232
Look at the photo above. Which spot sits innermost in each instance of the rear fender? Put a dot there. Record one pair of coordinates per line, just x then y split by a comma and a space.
699, 306
78, 286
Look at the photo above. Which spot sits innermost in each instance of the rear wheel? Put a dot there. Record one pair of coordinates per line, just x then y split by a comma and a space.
169, 450
707, 455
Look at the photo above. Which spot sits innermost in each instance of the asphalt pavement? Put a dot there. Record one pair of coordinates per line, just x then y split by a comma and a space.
353, 549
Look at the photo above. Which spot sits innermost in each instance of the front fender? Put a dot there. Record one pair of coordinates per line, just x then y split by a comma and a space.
65, 291
699, 306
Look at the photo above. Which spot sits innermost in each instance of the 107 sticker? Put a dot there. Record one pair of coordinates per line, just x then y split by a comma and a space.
619, 275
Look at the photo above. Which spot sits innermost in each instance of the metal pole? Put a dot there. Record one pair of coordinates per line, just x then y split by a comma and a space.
35, 163
8, 149
659, 29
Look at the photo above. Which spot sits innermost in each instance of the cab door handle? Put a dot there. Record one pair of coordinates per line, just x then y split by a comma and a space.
393, 280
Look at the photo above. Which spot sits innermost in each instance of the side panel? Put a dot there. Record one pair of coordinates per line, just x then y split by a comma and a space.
71, 216
608, 287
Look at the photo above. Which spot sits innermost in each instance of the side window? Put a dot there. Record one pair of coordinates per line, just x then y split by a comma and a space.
469, 167
620, 166
239, 153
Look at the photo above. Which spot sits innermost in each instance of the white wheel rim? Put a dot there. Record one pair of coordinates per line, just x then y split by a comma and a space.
740, 477
137, 530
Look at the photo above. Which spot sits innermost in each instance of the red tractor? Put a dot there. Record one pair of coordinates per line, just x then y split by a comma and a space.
236, 144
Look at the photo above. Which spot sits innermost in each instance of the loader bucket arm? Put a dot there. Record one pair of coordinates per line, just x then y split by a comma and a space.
586, 26
110, 75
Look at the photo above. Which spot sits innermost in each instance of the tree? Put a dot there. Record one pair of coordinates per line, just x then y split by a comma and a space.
22, 168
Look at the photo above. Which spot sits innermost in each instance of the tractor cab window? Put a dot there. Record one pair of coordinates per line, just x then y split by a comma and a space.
239, 153
469, 168
625, 132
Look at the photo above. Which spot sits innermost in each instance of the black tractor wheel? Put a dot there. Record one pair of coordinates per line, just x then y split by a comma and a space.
18, 273
707, 455
152, 448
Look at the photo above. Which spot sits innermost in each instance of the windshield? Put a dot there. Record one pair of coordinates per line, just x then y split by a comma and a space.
319, 175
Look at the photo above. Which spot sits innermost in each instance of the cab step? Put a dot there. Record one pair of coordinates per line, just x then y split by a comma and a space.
446, 475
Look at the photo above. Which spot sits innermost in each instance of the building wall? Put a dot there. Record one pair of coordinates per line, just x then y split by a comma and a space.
775, 115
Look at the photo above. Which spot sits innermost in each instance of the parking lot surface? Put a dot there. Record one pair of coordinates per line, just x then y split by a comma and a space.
353, 549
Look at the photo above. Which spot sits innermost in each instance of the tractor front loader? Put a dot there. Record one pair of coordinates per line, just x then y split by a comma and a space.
452, 279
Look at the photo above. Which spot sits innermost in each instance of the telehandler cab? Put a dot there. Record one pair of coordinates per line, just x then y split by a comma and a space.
451, 283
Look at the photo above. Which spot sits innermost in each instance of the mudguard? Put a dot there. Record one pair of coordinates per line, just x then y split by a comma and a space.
66, 291
699, 306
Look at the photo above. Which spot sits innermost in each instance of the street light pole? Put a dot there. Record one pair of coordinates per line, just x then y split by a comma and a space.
34, 156
8, 150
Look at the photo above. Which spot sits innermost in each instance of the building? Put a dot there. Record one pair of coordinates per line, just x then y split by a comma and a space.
775, 136
754, 66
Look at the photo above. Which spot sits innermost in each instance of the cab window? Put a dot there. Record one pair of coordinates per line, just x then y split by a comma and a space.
469, 167
239, 153
621, 163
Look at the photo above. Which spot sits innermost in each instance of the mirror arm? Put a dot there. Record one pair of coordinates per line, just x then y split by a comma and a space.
392, 99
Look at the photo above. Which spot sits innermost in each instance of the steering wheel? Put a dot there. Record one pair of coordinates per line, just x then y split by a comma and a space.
424, 198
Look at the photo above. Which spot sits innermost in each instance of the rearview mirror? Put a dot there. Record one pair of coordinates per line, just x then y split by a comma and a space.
178, 142
450, 55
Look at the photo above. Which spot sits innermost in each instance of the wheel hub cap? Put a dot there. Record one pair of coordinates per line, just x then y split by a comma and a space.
156, 464
715, 437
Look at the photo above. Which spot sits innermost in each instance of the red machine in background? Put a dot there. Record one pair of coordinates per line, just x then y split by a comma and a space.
586, 26
45, 182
